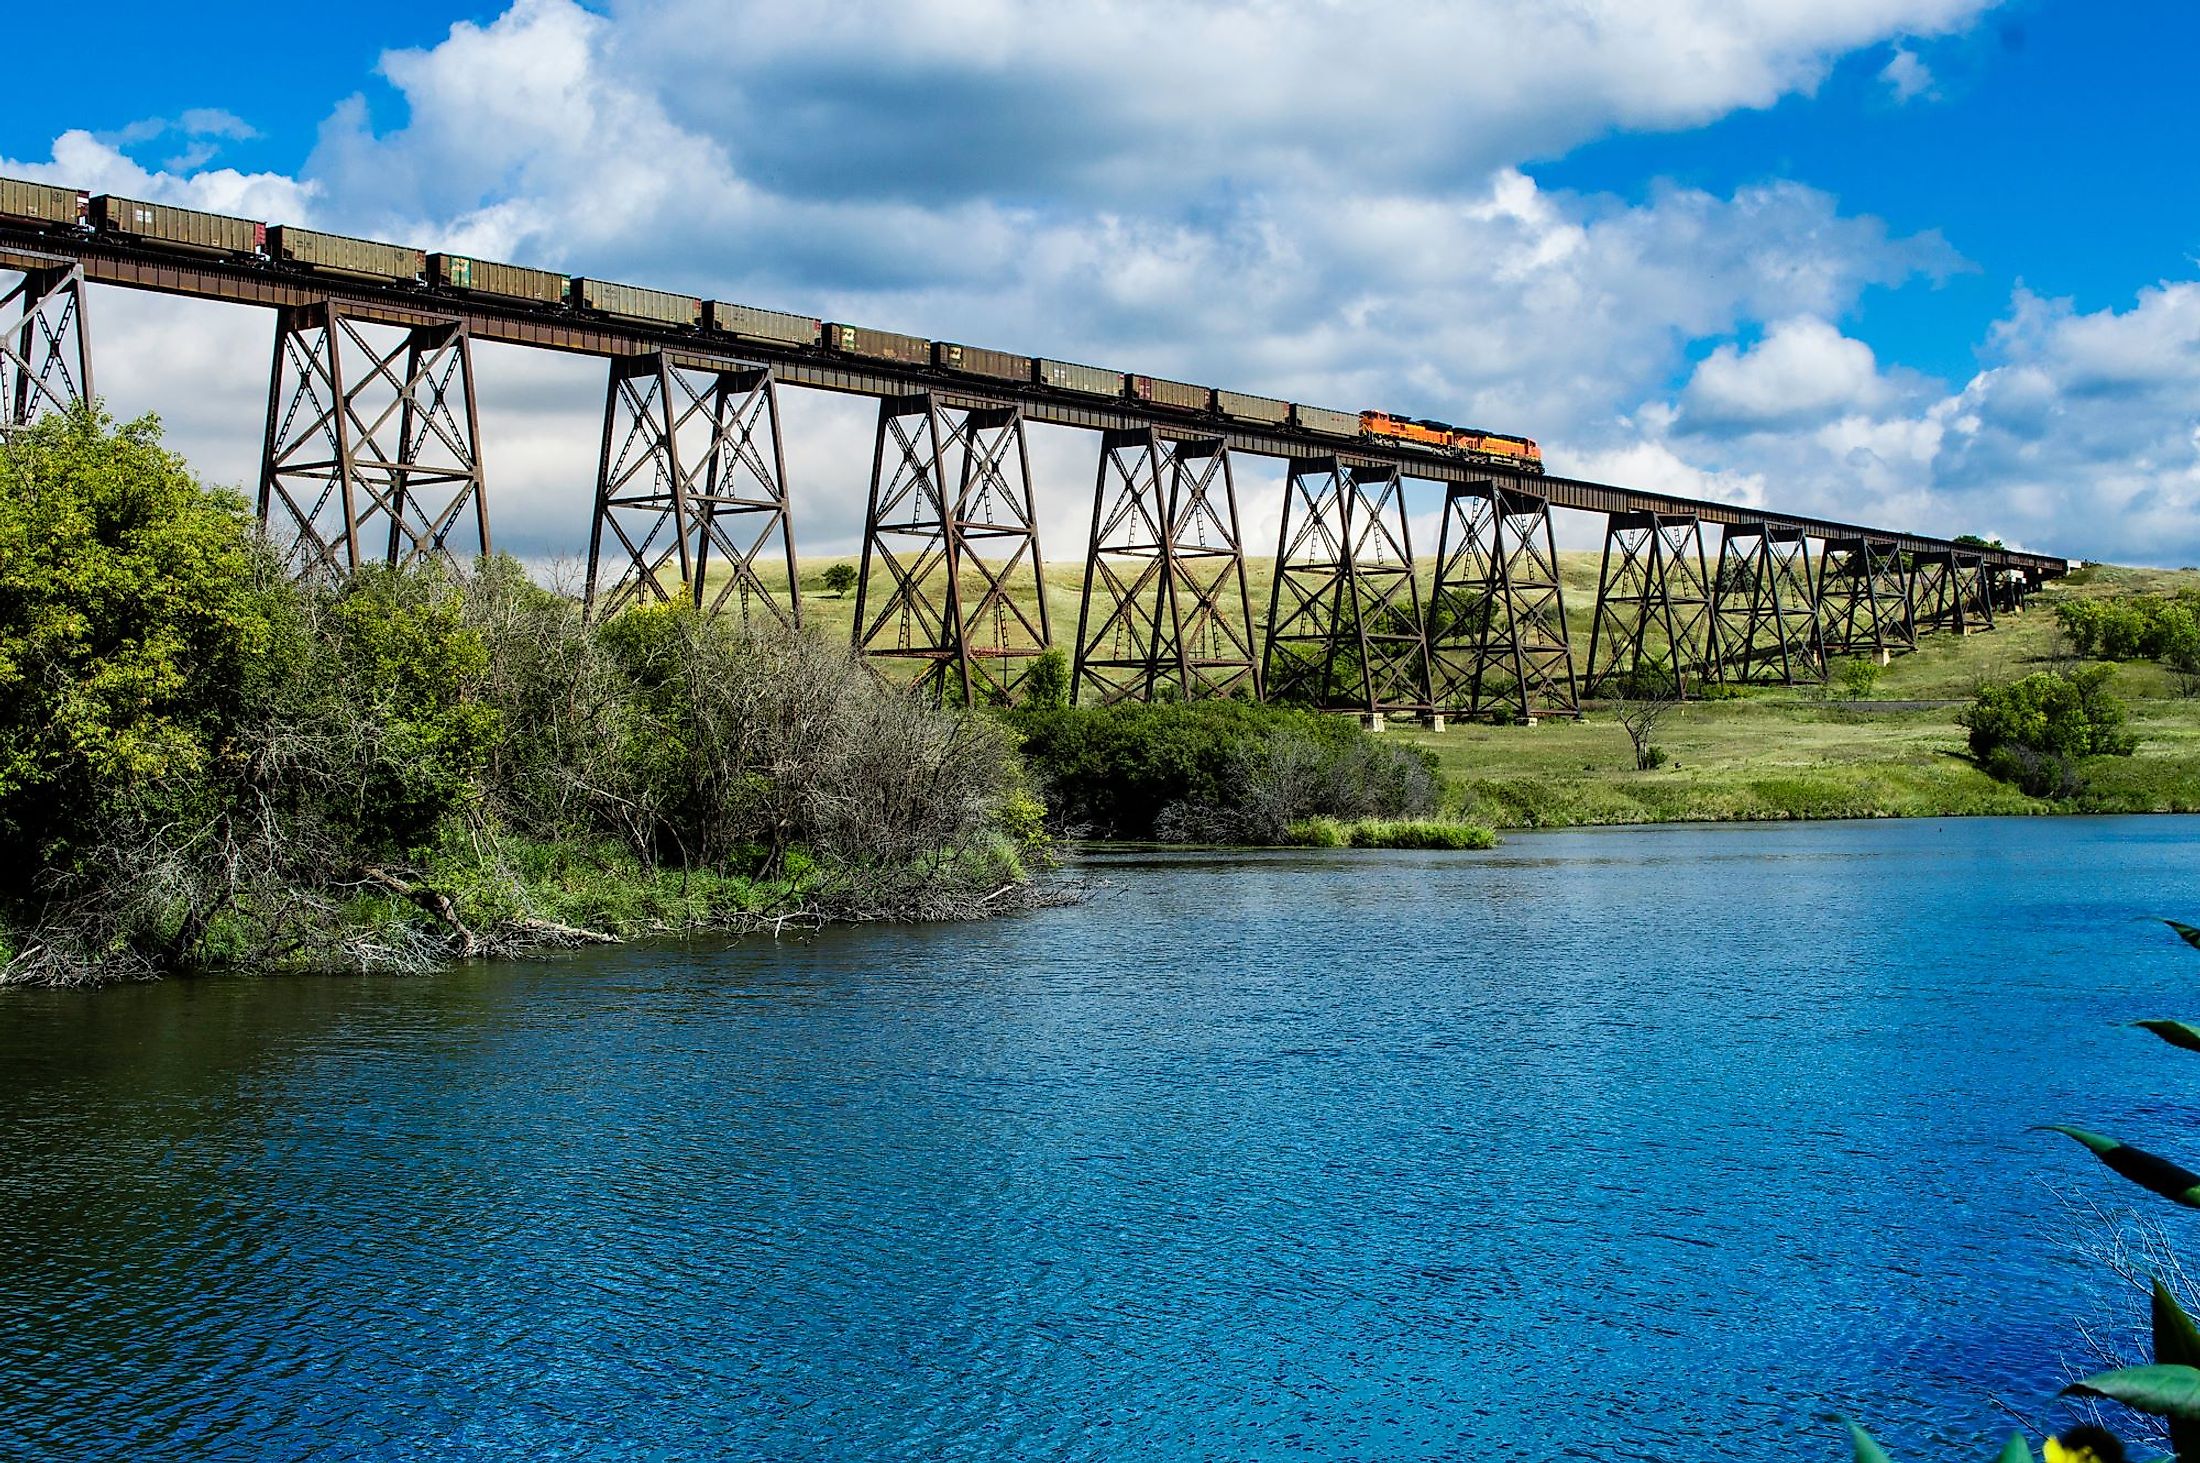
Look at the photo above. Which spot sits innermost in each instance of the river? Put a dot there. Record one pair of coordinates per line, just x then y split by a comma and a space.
1651, 1143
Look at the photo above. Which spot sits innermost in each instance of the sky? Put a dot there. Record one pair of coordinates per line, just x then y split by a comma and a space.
1928, 264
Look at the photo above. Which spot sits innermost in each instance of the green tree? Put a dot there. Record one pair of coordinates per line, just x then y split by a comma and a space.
2035, 731
840, 579
140, 624
1046, 684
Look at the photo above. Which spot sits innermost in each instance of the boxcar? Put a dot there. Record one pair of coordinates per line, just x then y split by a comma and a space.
43, 203
747, 322
632, 302
879, 345
1241, 407
1162, 392
505, 281
1322, 419
976, 360
336, 254
1071, 377
177, 228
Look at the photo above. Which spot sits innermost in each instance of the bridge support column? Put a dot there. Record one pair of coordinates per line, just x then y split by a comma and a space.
1165, 603
1933, 591
372, 449
1653, 611
1764, 609
1345, 630
1974, 593
1864, 605
692, 481
1497, 616
950, 523
46, 350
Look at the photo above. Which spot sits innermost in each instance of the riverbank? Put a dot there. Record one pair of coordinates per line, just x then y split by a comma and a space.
1780, 753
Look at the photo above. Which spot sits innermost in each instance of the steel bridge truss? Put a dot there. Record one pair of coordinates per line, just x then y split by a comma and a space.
1764, 607
1652, 633
691, 492
1497, 615
950, 522
371, 454
1345, 630
46, 350
1864, 605
1949, 591
1165, 609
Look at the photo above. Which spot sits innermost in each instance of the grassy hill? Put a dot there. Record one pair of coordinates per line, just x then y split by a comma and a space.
1773, 752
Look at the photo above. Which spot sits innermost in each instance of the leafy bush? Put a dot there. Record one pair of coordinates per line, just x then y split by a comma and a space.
2134, 627
2033, 732
203, 764
1216, 771
1857, 677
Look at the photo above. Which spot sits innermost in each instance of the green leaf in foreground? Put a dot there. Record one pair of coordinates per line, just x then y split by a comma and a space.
2157, 1175
2016, 1450
2187, 933
1867, 1451
2165, 1391
2176, 1033
2177, 1343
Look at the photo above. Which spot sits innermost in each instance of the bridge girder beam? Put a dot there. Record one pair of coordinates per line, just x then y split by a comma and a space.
45, 343
950, 520
372, 451
692, 478
1165, 605
1497, 612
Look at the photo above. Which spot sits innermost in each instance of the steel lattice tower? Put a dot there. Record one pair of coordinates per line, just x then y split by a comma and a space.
1497, 615
1653, 609
45, 346
371, 451
1765, 607
1165, 609
1864, 599
693, 481
1345, 630
950, 521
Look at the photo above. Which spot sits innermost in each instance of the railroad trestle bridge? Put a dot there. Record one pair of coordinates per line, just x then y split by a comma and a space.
373, 455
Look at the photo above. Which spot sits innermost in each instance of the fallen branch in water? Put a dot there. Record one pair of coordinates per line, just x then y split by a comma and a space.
433, 902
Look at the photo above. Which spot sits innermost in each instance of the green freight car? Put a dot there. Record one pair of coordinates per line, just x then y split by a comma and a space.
1068, 376
974, 360
1329, 423
632, 302
1264, 409
504, 281
337, 254
42, 203
774, 327
169, 227
879, 345
1163, 392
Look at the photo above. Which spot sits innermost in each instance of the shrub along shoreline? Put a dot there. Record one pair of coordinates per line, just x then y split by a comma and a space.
206, 765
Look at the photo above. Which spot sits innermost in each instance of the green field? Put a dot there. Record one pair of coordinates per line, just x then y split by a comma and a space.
1775, 752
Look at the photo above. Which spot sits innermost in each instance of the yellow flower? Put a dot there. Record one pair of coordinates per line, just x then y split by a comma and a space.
2085, 1445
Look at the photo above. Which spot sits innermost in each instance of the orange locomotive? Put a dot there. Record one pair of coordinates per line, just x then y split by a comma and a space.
1518, 452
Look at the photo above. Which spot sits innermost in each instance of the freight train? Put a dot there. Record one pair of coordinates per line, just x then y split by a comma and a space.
43, 206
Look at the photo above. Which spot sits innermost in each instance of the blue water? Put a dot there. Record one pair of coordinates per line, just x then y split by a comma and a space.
1630, 1144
